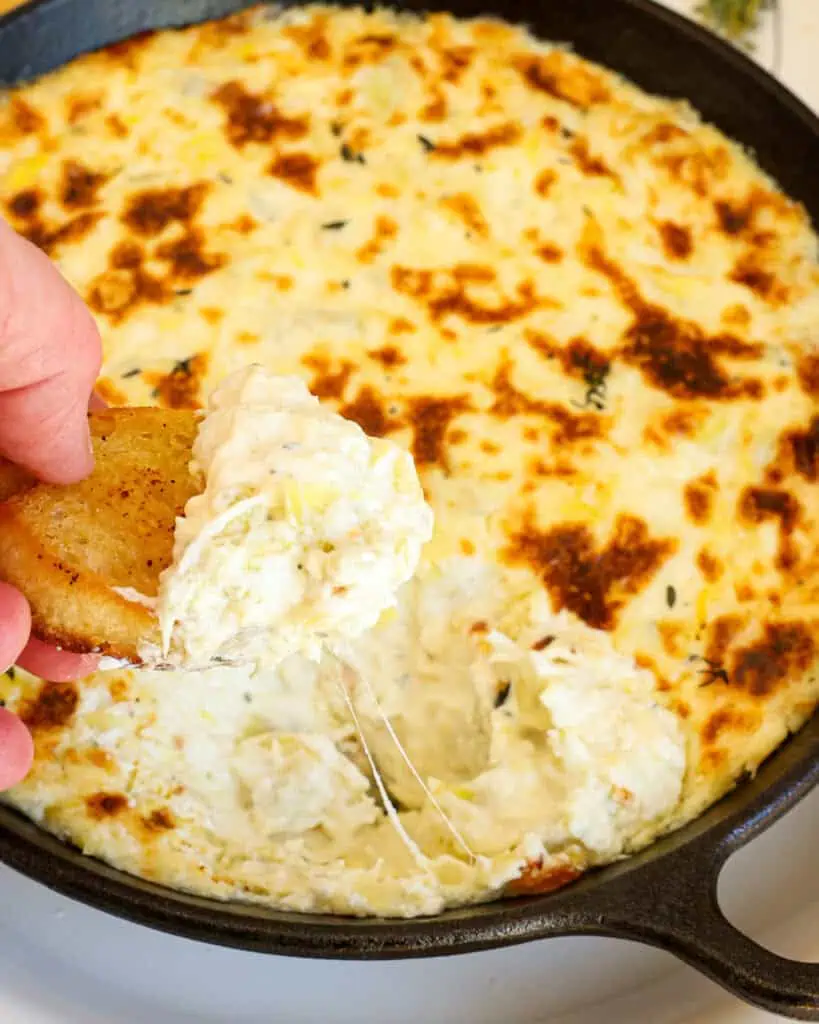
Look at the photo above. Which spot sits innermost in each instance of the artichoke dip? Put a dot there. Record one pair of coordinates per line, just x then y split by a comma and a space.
304, 531
590, 318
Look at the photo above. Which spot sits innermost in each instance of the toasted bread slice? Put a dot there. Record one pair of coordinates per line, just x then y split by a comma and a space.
67, 547
13, 479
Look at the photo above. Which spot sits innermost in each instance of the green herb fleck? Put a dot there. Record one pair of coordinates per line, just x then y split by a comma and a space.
334, 225
350, 156
595, 374
428, 144
737, 20
670, 596
132, 373
502, 695
713, 672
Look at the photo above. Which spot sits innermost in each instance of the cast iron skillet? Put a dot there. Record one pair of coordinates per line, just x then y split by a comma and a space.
665, 896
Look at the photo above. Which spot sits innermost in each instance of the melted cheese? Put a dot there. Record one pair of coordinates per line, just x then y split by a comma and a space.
304, 531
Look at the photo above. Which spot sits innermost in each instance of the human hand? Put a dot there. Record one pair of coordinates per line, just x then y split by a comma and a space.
49, 359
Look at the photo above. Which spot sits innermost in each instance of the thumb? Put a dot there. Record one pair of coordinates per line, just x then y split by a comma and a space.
50, 356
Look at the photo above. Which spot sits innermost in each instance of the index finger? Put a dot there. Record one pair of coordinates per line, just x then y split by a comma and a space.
50, 356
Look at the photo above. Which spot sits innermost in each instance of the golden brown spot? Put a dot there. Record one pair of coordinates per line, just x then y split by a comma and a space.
663, 133
448, 292
101, 759
748, 272
592, 582
25, 205
578, 358
367, 410
369, 49
549, 253
672, 637
467, 209
455, 61
400, 325
696, 168
298, 170
329, 380
676, 239
119, 690
243, 225
544, 182
732, 219
125, 285
52, 708
764, 504
116, 126
247, 338
212, 315
106, 805
109, 392
311, 37
127, 51
149, 212
79, 185
24, 117
681, 708
536, 879
474, 144
559, 468
435, 109
159, 820
683, 422
672, 353
786, 650
466, 546
721, 635
389, 356
740, 218
798, 452
252, 118
187, 258
180, 389
387, 191
563, 77
283, 282
430, 418
709, 565
80, 104
699, 497
717, 722
510, 401
736, 316
385, 230
49, 237
489, 447
807, 368
593, 166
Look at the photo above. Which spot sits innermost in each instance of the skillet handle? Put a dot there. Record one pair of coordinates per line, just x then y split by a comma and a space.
672, 904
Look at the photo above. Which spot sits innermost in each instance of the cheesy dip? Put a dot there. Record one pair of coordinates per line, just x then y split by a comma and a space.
304, 531
590, 319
